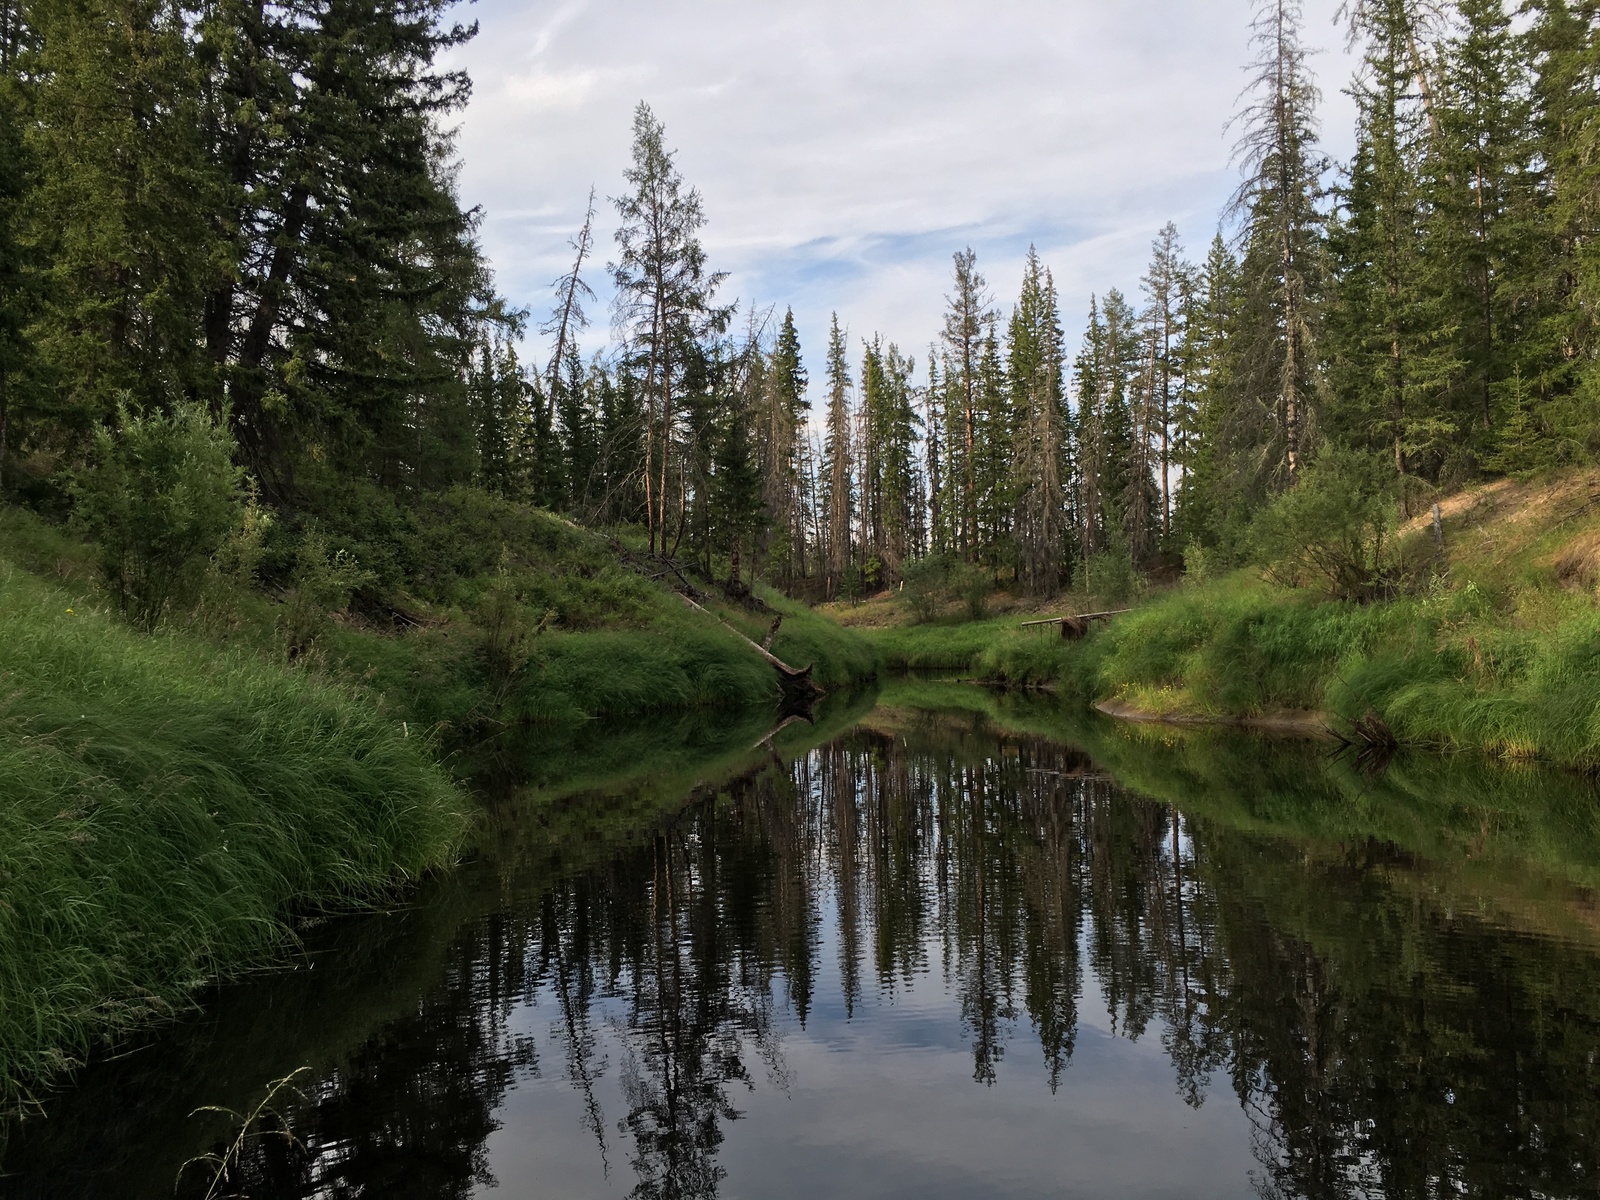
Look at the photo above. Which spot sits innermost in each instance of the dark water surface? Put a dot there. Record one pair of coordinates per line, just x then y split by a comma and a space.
945, 946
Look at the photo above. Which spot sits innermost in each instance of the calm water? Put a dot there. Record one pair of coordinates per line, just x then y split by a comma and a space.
921, 956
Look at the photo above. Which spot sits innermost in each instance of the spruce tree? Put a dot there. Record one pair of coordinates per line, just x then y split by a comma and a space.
1164, 317
1561, 278
837, 482
1090, 373
1480, 210
121, 211
665, 299
1272, 415
967, 321
933, 420
887, 471
1205, 495
783, 430
1389, 366
1039, 441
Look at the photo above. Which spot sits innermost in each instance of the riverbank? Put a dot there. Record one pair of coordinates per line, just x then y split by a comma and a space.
1497, 650
171, 809
178, 802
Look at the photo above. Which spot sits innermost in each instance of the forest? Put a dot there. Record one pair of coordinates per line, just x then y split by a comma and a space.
237, 221
307, 530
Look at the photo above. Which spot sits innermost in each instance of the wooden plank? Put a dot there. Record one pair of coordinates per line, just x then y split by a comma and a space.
1095, 616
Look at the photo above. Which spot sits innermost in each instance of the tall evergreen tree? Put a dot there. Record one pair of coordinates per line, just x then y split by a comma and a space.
887, 472
665, 301
782, 434
1040, 435
122, 210
1205, 497
838, 491
1164, 316
1564, 45
15, 280
1479, 202
1273, 415
1388, 365
1090, 373
967, 320
933, 420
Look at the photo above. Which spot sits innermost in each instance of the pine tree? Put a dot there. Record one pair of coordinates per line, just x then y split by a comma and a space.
1272, 414
1163, 317
665, 299
837, 482
782, 433
1479, 200
1388, 366
1039, 442
967, 320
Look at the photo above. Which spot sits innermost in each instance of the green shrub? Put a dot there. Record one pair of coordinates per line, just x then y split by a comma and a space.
1110, 575
1335, 527
323, 585
160, 500
938, 580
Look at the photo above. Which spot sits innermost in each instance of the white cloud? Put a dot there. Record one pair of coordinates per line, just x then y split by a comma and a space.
845, 149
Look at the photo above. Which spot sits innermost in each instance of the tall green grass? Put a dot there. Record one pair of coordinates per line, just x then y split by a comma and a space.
166, 808
1515, 673
947, 646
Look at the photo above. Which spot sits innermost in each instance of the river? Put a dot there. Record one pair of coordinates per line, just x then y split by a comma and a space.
937, 944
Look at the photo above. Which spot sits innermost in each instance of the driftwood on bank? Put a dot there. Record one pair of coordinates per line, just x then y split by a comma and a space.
1077, 626
796, 681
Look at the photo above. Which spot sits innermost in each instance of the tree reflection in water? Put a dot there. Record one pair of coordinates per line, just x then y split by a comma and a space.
1381, 1045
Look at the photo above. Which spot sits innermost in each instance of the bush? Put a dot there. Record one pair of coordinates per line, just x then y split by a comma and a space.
938, 580
1110, 575
323, 585
1336, 526
161, 499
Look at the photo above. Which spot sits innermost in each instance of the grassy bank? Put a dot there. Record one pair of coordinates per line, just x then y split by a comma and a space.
168, 808
171, 802
1484, 835
506, 615
1498, 650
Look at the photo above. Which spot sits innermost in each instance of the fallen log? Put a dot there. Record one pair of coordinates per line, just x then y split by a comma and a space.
1077, 625
795, 681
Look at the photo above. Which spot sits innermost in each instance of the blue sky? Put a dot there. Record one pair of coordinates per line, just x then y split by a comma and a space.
845, 150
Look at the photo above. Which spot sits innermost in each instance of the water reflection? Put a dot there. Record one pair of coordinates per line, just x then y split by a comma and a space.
1327, 1017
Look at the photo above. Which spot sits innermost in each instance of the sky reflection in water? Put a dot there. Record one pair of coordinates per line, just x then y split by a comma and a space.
925, 959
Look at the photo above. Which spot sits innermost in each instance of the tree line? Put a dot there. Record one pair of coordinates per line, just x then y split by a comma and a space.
1414, 319
249, 208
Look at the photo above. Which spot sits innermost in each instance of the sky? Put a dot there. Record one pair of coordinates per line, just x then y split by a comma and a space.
845, 149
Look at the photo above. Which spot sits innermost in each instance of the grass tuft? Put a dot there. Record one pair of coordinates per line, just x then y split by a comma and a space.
167, 808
